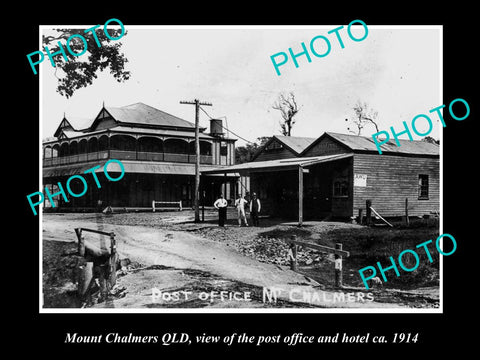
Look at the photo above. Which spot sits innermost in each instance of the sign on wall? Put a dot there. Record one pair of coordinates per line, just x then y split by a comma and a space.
360, 180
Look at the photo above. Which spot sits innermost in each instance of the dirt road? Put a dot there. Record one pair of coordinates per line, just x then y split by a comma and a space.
177, 263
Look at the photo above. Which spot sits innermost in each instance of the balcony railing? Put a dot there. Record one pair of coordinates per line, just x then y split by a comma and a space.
126, 155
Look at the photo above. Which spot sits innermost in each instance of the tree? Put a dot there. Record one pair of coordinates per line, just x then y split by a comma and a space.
245, 153
287, 106
431, 140
262, 140
363, 116
80, 71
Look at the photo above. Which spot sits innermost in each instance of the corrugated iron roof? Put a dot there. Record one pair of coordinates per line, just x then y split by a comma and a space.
79, 123
294, 143
160, 132
67, 170
297, 144
141, 113
150, 167
70, 134
143, 167
359, 143
283, 164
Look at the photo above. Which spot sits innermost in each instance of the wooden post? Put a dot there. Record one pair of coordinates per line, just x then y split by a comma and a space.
360, 216
112, 263
293, 260
407, 220
103, 280
294, 263
81, 242
338, 267
85, 278
197, 104
234, 183
300, 196
203, 205
225, 186
368, 212
197, 161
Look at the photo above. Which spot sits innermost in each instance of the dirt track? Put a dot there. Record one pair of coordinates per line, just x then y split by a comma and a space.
177, 255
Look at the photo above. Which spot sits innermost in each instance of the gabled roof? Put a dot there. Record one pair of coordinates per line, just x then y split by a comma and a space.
137, 115
72, 123
142, 114
295, 144
363, 143
79, 123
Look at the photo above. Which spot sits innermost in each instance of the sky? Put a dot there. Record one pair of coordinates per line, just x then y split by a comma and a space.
396, 70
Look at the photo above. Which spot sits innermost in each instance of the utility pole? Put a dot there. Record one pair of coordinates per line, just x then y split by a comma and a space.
197, 104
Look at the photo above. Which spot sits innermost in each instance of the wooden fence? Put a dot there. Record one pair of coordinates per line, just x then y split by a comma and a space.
338, 251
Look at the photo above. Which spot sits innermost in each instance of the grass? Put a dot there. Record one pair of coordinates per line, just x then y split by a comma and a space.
369, 245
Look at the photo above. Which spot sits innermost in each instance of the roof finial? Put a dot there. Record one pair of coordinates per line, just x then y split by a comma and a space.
64, 114
103, 104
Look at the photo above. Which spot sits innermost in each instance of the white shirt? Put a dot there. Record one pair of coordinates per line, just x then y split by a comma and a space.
220, 203
240, 203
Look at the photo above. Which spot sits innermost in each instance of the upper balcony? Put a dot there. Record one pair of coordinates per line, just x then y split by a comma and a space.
124, 147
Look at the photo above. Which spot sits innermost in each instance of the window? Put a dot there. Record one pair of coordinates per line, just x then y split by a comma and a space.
423, 187
223, 149
274, 146
340, 188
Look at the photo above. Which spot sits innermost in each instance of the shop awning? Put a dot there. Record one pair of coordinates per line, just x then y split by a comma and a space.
70, 170
276, 165
130, 167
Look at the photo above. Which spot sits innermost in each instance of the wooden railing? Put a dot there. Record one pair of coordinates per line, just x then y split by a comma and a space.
126, 155
338, 251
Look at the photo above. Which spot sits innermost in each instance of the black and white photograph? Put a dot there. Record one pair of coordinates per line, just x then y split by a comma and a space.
185, 181
257, 184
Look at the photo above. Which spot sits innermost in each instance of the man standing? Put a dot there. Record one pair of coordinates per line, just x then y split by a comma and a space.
221, 205
240, 205
254, 209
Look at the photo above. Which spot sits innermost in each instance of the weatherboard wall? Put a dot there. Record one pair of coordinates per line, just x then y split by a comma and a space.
390, 179
274, 150
276, 154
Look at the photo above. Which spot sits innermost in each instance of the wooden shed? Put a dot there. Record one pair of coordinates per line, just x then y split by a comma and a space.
337, 173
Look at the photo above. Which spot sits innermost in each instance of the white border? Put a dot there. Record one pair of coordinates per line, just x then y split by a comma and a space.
241, 310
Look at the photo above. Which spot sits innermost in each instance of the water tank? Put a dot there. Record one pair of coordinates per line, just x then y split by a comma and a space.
216, 127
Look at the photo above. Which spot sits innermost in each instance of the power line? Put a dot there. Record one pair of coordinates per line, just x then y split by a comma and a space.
230, 131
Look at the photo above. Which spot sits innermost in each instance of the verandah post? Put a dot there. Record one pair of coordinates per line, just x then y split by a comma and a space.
300, 196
